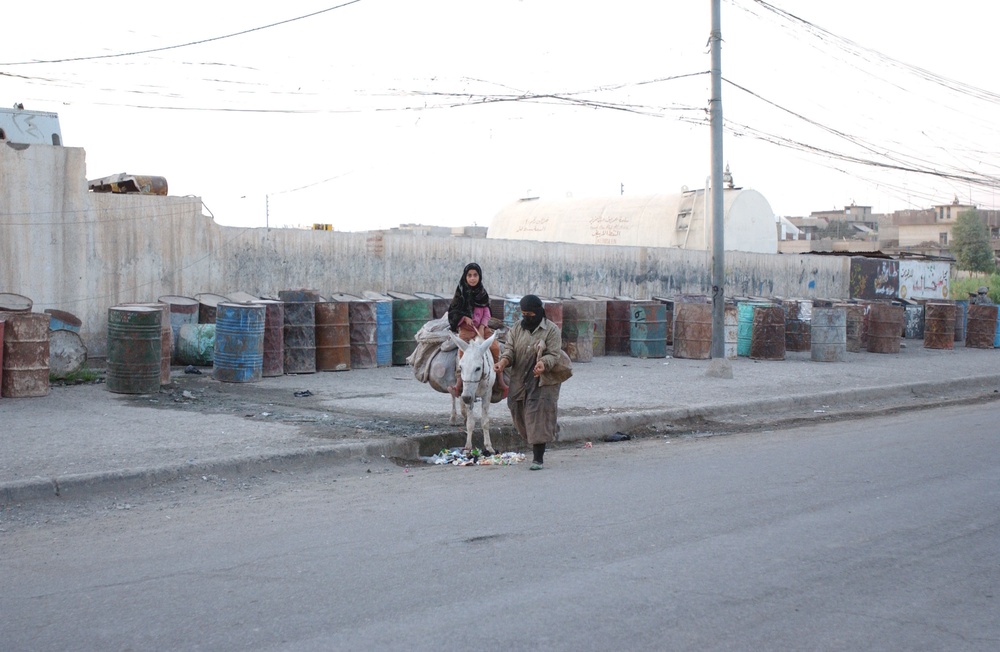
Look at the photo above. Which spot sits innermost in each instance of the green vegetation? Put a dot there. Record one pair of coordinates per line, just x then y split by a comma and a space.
77, 377
971, 244
961, 287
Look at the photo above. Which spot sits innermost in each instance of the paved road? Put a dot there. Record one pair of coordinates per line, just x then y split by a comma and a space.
876, 534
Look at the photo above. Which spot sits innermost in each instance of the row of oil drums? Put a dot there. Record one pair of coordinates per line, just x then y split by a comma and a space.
35, 346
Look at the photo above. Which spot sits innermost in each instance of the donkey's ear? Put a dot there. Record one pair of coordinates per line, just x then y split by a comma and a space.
489, 340
462, 344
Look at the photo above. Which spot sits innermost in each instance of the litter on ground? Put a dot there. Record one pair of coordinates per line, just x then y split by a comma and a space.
475, 457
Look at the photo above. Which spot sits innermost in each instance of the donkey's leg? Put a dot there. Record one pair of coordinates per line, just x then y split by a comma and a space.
454, 411
487, 444
469, 412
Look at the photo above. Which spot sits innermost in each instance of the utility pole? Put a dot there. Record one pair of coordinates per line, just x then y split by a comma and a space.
718, 224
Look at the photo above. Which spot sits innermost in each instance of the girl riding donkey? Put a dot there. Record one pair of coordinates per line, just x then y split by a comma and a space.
468, 315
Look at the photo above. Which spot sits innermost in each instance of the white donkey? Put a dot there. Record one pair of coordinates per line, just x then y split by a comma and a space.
478, 376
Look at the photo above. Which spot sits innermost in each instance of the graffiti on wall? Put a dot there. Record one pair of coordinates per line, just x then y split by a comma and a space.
923, 280
874, 279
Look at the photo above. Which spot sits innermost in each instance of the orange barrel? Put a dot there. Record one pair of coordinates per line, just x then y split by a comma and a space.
183, 310
885, 326
60, 320
207, 306
196, 345
693, 331
798, 312
980, 332
619, 326
25, 370
648, 330
14, 303
273, 363
333, 336
134, 345
939, 326
363, 317
300, 337
408, 316
828, 335
239, 342
767, 340
578, 329
731, 326
166, 338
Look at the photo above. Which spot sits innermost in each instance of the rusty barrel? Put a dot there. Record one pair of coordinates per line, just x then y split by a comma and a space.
939, 326
744, 325
195, 345
767, 340
828, 335
731, 330
60, 320
961, 317
239, 342
134, 349
854, 323
553, 311
693, 331
885, 327
980, 332
3, 323
273, 361
10, 302
798, 313
914, 321
183, 310
619, 325
333, 336
408, 315
207, 306
439, 304
363, 318
600, 327
648, 330
166, 338
578, 329
25, 364
300, 337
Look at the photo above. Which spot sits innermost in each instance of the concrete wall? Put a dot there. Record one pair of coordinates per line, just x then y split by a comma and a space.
66, 248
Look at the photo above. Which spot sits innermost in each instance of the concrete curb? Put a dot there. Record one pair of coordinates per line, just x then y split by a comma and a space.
571, 429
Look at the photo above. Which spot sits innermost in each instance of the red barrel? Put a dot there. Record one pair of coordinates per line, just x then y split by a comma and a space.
767, 339
208, 305
333, 336
981, 331
25, 355
274, 338
619, 326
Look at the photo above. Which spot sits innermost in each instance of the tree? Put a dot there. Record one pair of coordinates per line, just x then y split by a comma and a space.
971, 243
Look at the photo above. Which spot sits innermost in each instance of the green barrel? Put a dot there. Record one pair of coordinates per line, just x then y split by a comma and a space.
134, 349
648, 330
408, 315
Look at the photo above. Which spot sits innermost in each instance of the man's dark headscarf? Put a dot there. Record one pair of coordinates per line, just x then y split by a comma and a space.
531, 303
466, 298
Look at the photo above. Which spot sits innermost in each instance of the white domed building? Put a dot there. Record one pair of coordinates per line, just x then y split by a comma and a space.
676, 221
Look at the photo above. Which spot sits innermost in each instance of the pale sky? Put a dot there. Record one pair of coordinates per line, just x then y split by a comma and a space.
383, 112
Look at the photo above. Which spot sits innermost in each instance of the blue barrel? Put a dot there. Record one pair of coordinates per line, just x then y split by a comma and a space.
383, 333
648, 330
239, 342
744, 325
996, 335
60, 320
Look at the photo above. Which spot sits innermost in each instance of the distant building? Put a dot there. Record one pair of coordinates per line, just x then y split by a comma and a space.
929, 230
677, 221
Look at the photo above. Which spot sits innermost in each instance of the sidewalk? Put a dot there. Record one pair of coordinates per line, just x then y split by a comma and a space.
84, 438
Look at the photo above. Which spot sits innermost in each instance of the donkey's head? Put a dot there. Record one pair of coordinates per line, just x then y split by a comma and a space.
476, 367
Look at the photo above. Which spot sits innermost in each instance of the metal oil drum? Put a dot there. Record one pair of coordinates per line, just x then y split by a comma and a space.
885, 327
166, 338
939, 326
767, 339
692, 331
134, 349
408, 316
578, 329
828, 335
618, 327
239, 342
333, 336
648, 330
980, 332
273, 360
25, 364
363, 317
